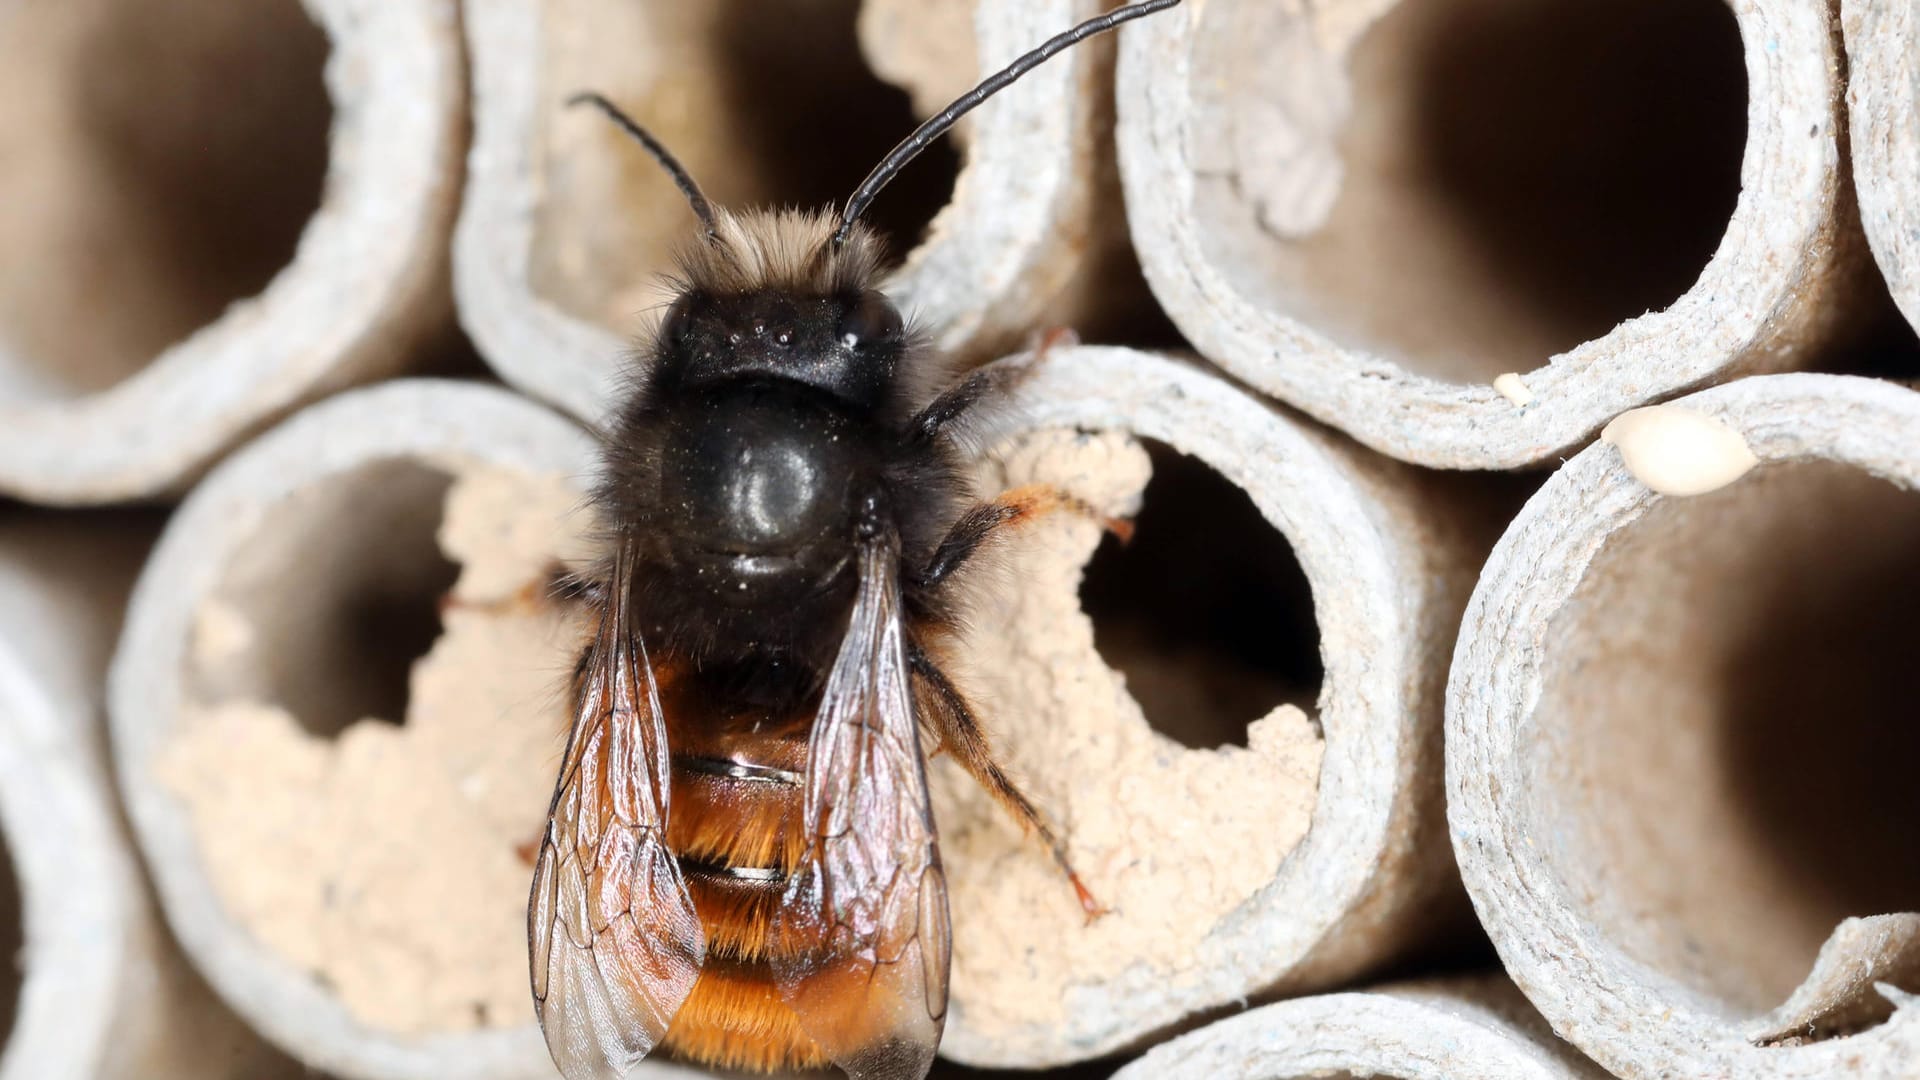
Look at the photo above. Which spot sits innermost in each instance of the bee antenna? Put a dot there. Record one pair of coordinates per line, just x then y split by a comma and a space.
937, 125
681, 178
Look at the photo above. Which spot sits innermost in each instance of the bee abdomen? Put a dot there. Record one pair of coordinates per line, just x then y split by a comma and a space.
735, 826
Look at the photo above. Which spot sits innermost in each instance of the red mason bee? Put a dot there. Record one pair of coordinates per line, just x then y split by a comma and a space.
740, 861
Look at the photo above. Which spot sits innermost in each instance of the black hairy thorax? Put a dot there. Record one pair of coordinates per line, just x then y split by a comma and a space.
771, 428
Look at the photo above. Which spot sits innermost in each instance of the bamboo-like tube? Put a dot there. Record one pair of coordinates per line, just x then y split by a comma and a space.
1680, 739
177, 273
566, 224
96, 989
1228, 872
1372, 211
1883, 126
1438, 1030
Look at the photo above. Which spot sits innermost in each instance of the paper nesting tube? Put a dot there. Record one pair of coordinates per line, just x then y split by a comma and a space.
1883, 125
1305, 855
179, 276
567, 225
1680, 743
1438, 1030
1372, 211
96, 989
354, 887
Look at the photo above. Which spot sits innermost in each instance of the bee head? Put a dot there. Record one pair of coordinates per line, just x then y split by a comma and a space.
790, 295
848, 345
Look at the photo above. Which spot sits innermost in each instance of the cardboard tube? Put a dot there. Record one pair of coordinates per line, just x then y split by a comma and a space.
567, 224
1679, 738
1883, 121
1438, 1030
1296, 860
97, 990
355, 885
192, 251
1373, 211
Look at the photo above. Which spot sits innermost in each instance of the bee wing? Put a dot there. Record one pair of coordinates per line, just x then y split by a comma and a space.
862, 941
615, 945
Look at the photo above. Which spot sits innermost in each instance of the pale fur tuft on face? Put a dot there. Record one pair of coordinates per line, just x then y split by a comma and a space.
789, 250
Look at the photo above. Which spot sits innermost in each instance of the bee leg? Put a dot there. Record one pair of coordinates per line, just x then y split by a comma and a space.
985, 384
959, 733
1012, 508
569, 584
994, 381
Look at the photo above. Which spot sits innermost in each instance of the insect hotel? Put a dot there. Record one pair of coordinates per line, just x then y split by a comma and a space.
959, 538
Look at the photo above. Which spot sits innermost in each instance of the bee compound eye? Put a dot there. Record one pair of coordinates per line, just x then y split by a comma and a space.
678, 320
870, 320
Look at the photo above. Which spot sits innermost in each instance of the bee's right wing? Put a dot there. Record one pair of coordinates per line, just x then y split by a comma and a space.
862, 933
615, 944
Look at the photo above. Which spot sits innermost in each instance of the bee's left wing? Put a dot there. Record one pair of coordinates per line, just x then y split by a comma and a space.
861, 942
614, 941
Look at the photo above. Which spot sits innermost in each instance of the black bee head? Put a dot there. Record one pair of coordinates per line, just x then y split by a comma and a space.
848, 346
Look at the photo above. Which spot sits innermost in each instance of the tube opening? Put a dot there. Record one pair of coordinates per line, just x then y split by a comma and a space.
1206, 612
1884, 345
1476, 185
1725, 768
767, 105
333, 600
313, 627
142, 194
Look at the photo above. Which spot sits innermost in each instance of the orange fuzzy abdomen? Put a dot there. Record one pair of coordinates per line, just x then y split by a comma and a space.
735, 837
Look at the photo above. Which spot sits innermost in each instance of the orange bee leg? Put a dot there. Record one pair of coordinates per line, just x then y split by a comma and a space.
959, 733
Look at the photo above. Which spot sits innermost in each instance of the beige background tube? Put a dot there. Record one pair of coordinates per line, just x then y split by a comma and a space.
1216, 899
367, 278
1679, 746
1480, 1028
1883, 123
363, 460
1357, 298
103, 993
548, 187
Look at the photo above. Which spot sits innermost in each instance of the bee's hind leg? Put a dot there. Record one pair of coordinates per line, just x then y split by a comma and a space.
954, 726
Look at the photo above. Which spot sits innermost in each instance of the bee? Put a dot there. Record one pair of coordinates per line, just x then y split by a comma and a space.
740, 861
